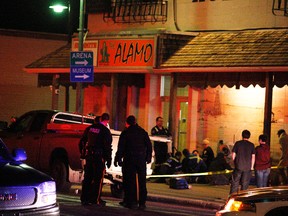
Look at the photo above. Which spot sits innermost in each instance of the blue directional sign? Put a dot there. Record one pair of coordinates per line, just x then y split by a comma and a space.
81, 67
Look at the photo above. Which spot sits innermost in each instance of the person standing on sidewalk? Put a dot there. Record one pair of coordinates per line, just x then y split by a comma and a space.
243, 154
283, 163
97, 152
262, 162
133, 152
160, 148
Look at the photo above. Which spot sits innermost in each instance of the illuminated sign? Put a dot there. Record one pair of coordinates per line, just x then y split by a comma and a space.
126, 52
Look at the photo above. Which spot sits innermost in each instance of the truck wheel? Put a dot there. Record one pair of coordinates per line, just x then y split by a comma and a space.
117, 189
59, 173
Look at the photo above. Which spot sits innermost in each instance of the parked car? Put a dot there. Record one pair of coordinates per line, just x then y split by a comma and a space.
268, 201
23, 189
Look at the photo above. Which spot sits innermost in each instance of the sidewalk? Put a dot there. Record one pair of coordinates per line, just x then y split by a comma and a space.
198, 195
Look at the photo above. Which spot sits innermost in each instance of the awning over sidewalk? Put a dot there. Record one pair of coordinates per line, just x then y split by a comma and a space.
226, 58
245, 79
253, 48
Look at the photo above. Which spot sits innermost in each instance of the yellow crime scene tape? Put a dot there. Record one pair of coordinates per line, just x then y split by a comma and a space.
198, 174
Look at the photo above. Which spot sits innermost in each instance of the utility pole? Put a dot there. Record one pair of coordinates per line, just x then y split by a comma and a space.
79, 87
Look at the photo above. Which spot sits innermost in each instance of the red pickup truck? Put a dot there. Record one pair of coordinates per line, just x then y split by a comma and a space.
51, 140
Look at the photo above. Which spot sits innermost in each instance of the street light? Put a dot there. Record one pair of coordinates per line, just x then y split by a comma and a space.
60, 8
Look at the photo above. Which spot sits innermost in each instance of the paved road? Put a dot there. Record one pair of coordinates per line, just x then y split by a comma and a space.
198, 200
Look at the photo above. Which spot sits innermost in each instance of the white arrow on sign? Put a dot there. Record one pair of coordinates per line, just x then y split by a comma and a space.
84, 76
84, 62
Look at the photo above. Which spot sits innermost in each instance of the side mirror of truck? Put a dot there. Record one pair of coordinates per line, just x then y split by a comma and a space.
3, 125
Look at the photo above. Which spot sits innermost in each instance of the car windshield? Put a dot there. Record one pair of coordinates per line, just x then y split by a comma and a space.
4, 153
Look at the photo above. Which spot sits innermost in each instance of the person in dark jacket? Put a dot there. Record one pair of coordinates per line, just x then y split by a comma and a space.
193, 163
172, 165
283, 163
160, 148
262, 162
97, 151
219, 164
207, 154
133, 152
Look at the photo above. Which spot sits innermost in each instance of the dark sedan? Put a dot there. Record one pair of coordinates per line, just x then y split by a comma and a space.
23, 189
268, 201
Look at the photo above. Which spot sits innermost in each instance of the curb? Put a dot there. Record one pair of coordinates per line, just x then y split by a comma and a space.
214, 205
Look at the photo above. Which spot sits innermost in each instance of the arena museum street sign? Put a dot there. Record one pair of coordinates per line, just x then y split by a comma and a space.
81, 67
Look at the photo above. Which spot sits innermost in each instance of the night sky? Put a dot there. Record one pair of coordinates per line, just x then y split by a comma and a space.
35, 15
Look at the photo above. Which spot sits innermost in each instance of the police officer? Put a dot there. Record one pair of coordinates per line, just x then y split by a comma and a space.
172, 165
134, 151
193, 163
160, 148
97, 152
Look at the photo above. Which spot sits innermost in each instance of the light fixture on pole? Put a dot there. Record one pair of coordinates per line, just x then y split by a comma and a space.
60, 8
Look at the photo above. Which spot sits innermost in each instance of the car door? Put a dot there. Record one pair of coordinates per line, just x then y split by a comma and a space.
13, 135
32, 139
26, 133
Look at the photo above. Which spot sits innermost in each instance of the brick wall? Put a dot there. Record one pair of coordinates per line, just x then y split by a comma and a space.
18, 89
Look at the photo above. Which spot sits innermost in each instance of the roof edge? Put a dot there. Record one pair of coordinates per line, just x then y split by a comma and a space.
33, 34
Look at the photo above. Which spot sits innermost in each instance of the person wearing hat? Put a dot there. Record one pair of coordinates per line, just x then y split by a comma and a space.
207, 154
133, 153
96, 150
283, 163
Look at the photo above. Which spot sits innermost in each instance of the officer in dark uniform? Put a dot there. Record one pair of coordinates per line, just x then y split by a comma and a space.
160, 148
134, 151
97, 152
172, 165
193, 163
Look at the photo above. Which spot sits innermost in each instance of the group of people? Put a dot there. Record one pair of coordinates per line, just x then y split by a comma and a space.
197, 163
133, 153
243, 159
247, 158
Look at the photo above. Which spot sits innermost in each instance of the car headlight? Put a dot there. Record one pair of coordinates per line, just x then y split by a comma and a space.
47, 193
234, 205
47, 187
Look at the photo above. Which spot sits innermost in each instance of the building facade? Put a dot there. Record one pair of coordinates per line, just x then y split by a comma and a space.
211, 68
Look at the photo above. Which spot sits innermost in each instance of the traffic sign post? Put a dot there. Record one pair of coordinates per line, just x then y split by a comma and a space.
81, 66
